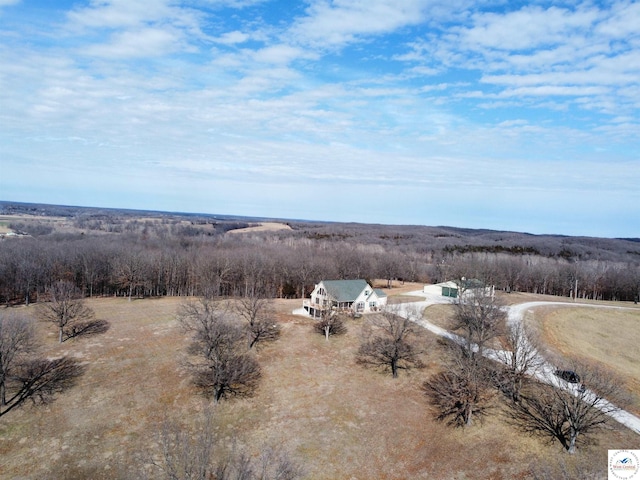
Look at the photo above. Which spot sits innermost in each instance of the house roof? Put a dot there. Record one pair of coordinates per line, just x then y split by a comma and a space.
345, 290
379, 292
467, 284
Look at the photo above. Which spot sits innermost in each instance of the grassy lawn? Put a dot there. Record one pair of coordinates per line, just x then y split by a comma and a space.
339, 420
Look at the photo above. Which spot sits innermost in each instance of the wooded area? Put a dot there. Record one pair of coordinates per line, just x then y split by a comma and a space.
136, 254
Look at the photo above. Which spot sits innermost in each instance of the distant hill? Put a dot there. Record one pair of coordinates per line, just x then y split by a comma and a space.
446, 239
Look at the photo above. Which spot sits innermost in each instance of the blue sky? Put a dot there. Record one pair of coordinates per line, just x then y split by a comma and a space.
484, 114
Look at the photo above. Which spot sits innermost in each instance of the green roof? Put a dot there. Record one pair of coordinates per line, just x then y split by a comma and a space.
379, 292
345, 290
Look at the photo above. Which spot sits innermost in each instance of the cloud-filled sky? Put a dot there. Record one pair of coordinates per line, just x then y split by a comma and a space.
473, 113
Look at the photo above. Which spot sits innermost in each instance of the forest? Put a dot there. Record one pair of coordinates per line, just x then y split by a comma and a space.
151, 254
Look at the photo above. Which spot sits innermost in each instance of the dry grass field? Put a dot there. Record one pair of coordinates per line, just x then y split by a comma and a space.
262, 227
608, 337
336, 418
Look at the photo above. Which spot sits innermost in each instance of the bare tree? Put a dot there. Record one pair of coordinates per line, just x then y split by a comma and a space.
39, 380
462, 391
568, 412
129, 270
480, 318
388, 343
186, 455
519, 360
67, 310
223, 367
195, 456
17, 341
330, 323
258, 313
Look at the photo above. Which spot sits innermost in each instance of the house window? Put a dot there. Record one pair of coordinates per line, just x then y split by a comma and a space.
321, 291
366, 293
360, 306
317, 300
372, 304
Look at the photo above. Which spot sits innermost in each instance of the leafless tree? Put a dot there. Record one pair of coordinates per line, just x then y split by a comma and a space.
195, 456
480, 318
570, 412
186, 455
261, 325
40, 379
129, 270
463, 390
223, 367
67, 310
17, 341
330, 323
388, 342
519, 359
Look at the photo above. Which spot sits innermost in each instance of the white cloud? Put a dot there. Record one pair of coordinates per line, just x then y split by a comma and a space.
121, 13
232, 38
623, 21
280, 54
146, 42
530, 27
330, 24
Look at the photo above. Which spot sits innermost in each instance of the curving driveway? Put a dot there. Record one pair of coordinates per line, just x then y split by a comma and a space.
515, 314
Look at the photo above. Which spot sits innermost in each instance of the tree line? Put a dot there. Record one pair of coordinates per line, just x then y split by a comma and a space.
151, 260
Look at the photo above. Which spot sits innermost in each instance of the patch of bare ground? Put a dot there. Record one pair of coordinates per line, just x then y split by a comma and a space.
338, 419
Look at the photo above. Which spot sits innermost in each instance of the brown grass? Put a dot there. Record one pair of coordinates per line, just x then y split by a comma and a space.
607, 337
262, 227
341, 421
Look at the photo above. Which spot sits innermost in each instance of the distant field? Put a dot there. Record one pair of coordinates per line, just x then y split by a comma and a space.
608, 337
263, 227
341, 421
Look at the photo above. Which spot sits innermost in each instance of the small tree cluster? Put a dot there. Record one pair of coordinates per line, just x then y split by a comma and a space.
223, 367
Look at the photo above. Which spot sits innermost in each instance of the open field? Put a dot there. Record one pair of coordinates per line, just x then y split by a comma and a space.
339, 420
263, 227
608, 337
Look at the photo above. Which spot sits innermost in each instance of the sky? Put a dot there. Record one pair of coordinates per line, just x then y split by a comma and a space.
505, 115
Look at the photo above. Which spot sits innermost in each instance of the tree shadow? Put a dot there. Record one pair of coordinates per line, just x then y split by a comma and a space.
92, 327
39, 380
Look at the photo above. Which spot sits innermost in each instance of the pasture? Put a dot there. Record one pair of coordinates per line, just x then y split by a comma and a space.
336, 418
600, 336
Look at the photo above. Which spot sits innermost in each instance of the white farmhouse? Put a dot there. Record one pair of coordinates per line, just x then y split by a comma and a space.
356, 296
